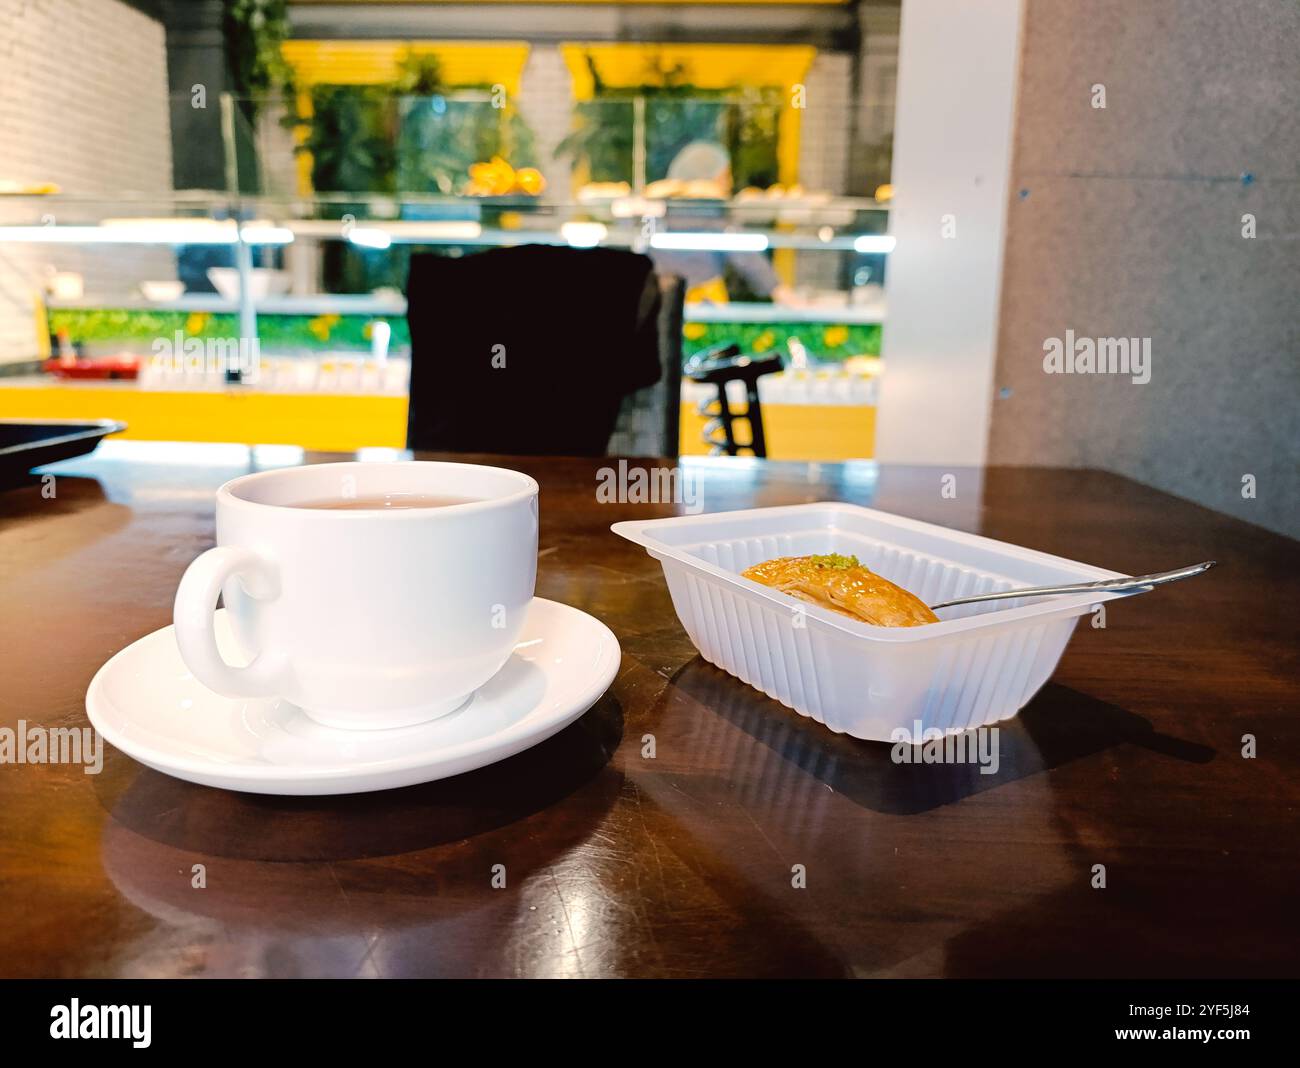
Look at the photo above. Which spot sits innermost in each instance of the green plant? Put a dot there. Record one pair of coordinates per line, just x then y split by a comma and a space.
350, 137
828, 343
439, 136
409, 136
419, 75
254, 31
351, 140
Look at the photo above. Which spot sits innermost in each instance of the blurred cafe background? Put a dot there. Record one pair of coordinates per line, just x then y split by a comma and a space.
870, 218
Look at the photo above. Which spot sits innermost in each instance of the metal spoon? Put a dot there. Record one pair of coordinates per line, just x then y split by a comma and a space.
1136, 584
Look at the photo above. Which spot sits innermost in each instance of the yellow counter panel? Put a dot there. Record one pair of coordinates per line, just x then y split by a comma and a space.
798, 431
325, 421
344, 422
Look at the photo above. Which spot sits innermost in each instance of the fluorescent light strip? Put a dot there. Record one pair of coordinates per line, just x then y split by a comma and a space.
382, 235
370, 237
152, 233
874, 243
709, 242
267, 235
433, 229
53, 235
584, 234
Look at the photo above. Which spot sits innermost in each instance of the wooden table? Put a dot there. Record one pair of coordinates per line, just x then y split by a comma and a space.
618, 865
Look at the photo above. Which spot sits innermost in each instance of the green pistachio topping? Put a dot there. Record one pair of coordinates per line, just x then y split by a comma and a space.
834, 560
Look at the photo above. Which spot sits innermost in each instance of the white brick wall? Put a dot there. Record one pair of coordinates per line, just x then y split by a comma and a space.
276, 150
546, 101
878, 78
83, 103
826, 123
824, 151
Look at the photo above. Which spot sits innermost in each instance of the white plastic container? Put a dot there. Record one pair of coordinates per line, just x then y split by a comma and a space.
981, 663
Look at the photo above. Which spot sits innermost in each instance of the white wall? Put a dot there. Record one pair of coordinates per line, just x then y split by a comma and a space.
83, 103
957, 70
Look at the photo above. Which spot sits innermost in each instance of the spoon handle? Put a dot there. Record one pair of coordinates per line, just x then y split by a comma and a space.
1136, 584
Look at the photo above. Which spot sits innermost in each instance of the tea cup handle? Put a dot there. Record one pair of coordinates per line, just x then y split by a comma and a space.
194, 613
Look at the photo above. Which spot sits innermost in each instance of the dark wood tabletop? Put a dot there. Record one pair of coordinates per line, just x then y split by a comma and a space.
1131, 757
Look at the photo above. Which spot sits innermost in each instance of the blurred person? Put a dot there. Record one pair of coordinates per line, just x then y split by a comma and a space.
703, 169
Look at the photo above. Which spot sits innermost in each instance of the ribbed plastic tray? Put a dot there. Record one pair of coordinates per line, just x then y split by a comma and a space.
979, 664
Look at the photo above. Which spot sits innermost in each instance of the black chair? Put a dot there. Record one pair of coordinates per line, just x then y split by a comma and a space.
649, 420
717, 368
533, 349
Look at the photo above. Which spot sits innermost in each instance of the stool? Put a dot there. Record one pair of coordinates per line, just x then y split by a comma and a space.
717, 368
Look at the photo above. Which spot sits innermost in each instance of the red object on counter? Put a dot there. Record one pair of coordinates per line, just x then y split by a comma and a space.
123, 365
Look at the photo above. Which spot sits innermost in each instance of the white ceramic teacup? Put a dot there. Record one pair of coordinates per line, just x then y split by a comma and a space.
364, 618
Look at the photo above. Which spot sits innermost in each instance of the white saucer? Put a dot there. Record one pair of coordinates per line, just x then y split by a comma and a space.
147, 704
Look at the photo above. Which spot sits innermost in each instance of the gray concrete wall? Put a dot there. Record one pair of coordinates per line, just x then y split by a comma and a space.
1127, 221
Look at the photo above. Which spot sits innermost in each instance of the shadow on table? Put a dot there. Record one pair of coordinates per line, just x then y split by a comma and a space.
242, 826
390, 883
23, 495
25, 502
1142, 926
1058, 726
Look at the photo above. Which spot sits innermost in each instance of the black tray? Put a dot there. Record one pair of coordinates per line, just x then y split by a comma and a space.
28, 443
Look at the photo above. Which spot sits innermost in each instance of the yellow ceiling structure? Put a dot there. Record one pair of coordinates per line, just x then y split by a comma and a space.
707, 66
611, 3
376, 62
620, 65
